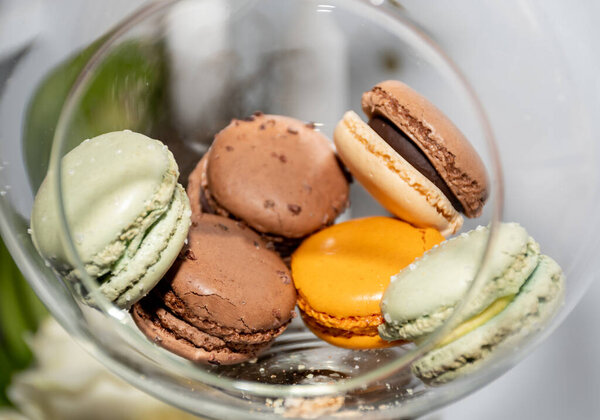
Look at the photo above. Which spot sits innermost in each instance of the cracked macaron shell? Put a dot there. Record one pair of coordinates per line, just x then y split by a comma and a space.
278, 174
532, 308
422, 296
231, 279
116, 186
452, 155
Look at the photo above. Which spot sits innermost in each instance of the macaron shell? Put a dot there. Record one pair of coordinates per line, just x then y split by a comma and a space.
135, 275
343, 270
277, 174
449, 151
115, 186
231, 279
179, 337
421, 297
535, 305
398, 186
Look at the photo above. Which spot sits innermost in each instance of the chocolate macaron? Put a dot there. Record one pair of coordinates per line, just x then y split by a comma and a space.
412, 158
224, 300
276, 174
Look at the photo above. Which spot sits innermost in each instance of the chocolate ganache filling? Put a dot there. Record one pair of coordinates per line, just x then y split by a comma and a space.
406, 148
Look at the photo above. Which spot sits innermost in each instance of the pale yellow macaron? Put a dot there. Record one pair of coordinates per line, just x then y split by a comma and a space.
392, 181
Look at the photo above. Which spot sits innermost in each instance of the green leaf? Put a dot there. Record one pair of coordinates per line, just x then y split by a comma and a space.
20, 313
126, 92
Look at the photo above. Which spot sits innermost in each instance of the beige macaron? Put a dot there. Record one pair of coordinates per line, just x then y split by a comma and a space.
392, 181
406, 191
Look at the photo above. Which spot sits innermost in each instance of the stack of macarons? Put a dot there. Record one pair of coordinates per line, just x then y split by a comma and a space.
420, 167
220, 291
214, 275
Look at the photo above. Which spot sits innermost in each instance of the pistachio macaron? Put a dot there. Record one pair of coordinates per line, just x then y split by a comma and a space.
412, 158
424, 295
341, 272
536, 303
128, 216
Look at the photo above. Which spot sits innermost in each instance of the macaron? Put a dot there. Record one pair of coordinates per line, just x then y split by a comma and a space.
341, 273
423, 296
224, 300
412, 158
277, 174
127, 214
536, 303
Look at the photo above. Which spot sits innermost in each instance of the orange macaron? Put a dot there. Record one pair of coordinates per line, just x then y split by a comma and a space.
342, 271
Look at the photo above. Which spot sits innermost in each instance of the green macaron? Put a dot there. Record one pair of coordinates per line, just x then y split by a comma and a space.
536, 303
127, 214
424, 295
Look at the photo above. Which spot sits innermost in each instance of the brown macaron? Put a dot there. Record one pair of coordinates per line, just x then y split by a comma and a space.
224, 300
277, 174
429, 141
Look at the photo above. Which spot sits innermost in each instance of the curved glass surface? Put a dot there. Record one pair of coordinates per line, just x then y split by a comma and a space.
170, 72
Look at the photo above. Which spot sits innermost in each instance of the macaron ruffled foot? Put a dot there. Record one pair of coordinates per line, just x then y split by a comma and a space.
128, 217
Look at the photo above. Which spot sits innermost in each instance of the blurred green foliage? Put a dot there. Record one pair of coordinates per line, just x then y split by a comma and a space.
126, 91
20, 314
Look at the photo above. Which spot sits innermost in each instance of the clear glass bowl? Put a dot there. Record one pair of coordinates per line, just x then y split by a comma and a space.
180, 70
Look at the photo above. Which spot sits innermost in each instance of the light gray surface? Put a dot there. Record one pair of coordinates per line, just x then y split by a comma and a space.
558, 381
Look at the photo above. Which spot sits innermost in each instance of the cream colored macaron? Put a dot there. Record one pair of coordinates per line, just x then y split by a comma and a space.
413, 159
394, 182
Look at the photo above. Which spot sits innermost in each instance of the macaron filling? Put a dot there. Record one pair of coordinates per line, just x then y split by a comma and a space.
476, 321
406, 148
447, 148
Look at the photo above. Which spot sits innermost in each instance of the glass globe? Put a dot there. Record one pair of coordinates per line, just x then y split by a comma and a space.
179, 71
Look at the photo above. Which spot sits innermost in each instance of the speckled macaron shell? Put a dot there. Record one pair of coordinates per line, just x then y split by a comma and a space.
424, 295
276, 173
232, 278
451, 154
392, 181
116, 187
536, 303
